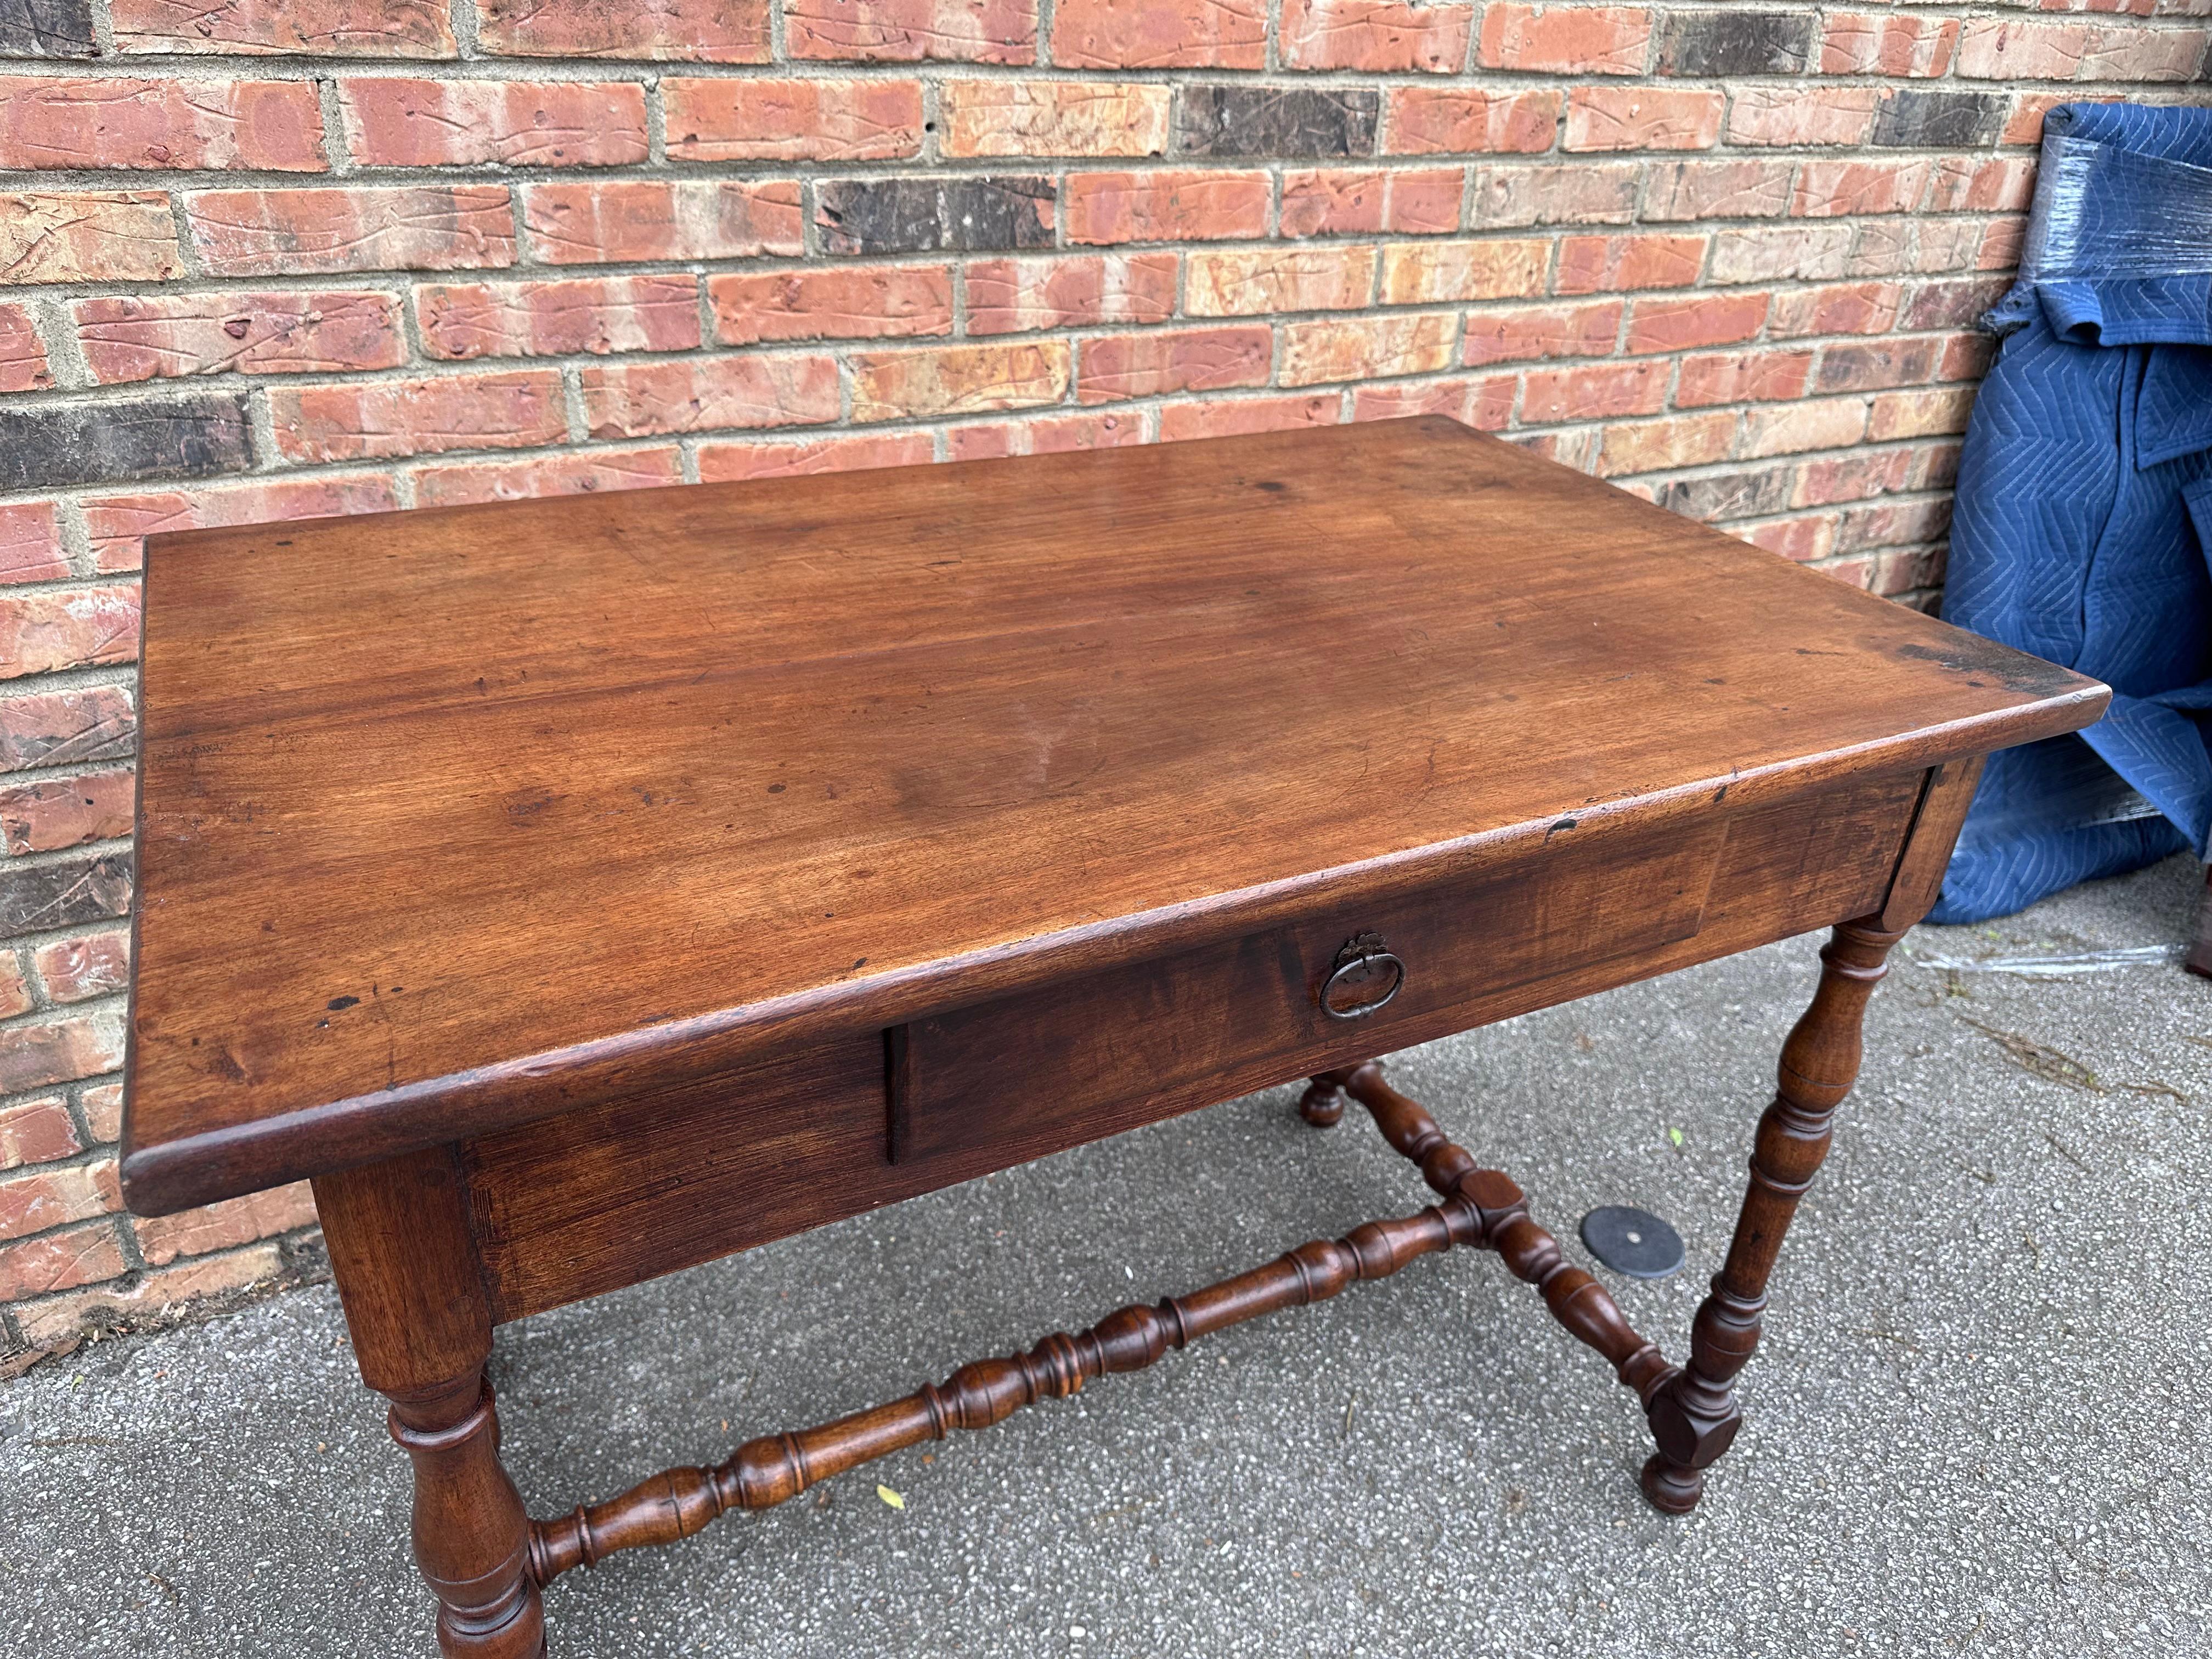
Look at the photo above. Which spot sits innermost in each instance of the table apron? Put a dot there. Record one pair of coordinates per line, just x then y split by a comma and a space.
618, 1193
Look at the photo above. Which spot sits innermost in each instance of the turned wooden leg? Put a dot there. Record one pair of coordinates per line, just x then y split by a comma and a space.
471, 1532
1322, 1103
1694, 1415
413, 1290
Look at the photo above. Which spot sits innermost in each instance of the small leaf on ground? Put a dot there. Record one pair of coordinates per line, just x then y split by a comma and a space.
1675, 1135
891, 1498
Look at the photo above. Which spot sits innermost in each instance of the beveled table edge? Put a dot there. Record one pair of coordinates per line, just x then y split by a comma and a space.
325, 1138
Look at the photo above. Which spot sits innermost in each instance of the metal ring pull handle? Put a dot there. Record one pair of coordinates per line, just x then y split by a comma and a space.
1363, 961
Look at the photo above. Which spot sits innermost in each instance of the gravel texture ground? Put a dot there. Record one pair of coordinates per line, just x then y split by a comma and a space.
1981, 1422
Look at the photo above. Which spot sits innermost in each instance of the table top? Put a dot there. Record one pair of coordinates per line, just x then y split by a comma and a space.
452, 820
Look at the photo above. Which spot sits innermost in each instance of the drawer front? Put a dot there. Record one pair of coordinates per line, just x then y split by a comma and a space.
985, 1087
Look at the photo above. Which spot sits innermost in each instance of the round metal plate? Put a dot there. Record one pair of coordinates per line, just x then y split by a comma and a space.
1632, 1242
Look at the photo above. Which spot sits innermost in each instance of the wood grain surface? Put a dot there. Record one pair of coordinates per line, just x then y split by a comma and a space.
454, 820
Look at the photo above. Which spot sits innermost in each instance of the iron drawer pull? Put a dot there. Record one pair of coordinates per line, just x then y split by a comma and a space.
1360, 958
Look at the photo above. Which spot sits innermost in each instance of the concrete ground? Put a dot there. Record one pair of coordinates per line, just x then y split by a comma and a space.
1981, 1422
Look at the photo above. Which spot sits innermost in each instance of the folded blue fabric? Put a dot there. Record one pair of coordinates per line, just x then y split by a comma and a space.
2084, 510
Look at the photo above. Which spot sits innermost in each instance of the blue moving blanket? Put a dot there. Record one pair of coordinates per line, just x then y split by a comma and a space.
2084, 513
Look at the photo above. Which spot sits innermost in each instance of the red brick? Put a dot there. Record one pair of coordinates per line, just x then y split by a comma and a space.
397, 121
691, 31
1587, 330
1458, 121
1431, 273
120, 524
1893, 524
67, 729
1576, 446
107, 121
103, 1110
958, 380
1950, 304
1044, 434
662, 218
2025, 125
1249, 281
1828, 479
1486, 403
1837, 423
36, 1132
94, 965
1800, 252
1555, 193
702, 394
15, 989
838, 302
324, 28
267, 233
22, 354
1742, 377
1015, 296
1918, 414
1795, 113
1827, 190
1982, 182
1865, 43
1366, 348
73, 628
1966, 358
1173, 360
1866, 365
1642, 118
38, 818
35, 1199
291, 331
60, 1261
592, 472
1803, 539
235, 1221
819, 120
1379, 36
1565, 40
1717, 190
1704, 319
1166, 207
1593, 391
39, 1056
598, 315
2009, 49
723, 463
1156, 34
149, 1299
30, 543
1418, 201
87, 236
504, 410
1590, 265
1226, 418
2128, 53
907, 31
1659, 446
1847, 308
1052, 118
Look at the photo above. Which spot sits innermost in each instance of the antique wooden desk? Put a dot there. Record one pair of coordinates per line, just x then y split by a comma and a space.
580, 890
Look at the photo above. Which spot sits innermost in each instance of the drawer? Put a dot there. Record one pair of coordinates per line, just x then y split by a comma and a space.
1004, 1082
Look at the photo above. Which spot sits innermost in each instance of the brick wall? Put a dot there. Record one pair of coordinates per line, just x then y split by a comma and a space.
275, 258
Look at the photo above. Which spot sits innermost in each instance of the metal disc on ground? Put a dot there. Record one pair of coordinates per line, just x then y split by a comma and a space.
1632, 1242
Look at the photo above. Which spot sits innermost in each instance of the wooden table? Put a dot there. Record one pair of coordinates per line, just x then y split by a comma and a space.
580, 890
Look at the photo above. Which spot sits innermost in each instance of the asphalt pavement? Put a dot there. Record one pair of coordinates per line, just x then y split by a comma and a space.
1981, 1421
